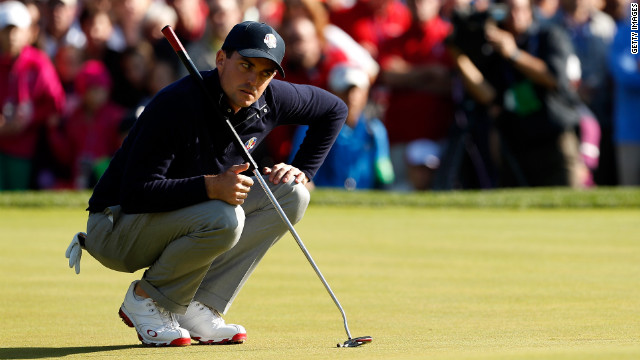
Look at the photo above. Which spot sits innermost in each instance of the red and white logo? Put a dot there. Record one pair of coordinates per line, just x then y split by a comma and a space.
250, 143
152, 333
271, 41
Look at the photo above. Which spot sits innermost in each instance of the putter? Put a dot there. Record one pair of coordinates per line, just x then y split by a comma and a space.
171, 36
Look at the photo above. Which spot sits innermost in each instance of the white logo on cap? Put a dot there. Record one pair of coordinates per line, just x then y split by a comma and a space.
270, 40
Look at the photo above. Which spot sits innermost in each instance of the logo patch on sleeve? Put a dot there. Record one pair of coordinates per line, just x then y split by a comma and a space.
250, 143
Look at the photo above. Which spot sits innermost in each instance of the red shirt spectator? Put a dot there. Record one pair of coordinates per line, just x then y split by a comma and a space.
192, 18
420, 104
318, 75
308, 60
371, 22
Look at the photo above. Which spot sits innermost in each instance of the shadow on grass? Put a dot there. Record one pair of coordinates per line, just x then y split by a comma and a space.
53, 352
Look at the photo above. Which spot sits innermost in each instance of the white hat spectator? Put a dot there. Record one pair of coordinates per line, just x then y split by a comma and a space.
344, 76
14, 13
424, 152
69, 2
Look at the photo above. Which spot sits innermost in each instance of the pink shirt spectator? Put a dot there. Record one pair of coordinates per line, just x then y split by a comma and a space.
31, 89
92, 133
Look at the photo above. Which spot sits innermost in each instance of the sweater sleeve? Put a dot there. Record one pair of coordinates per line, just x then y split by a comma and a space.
322, 111
147, 183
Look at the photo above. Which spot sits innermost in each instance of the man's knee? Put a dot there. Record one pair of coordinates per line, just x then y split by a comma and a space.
224, 224
295, 202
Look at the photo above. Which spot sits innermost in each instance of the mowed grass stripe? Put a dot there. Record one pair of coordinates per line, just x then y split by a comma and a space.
424, 282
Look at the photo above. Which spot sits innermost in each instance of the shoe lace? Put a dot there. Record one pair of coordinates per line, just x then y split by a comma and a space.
217, 317
168, 318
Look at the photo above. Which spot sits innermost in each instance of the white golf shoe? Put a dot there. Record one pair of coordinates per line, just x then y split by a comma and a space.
155, 325
207, 326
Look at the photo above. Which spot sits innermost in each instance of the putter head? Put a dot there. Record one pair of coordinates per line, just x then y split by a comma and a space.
356, 341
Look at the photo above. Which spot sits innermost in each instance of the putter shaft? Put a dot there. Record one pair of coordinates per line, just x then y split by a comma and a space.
306, 253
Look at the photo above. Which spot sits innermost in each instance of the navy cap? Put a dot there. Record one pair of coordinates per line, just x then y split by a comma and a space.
256, 40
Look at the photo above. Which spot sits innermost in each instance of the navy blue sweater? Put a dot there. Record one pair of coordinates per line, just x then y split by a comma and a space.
178, 139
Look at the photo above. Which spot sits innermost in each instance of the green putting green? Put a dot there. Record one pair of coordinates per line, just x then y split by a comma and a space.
470, 282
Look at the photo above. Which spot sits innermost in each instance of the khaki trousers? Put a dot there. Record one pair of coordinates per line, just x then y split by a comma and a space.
205, 252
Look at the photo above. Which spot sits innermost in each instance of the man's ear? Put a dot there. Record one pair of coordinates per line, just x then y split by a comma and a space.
221, 56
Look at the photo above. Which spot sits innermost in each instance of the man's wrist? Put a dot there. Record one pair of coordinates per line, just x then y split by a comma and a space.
515, 55
210, 186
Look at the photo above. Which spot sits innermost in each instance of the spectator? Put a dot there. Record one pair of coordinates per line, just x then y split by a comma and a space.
308, 60
35, 11
161, 75
88, 139
309, 57
266, 11
371, 22
68, 61
223, 15
158, 16
98, 29
450, 6
192, 18
97, 5
530, 97
625, 68
359, 159
131, 76
332, 35
30, 95
128, 16
617, 9
62, 26
591, 32
417, 69
544, 10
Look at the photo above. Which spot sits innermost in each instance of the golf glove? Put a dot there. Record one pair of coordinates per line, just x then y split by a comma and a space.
74, 251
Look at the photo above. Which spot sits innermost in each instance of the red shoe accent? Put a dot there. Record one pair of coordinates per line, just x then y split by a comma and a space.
125, 319
181, 342
236, 339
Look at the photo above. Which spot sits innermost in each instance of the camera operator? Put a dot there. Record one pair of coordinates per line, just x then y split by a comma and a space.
517, 69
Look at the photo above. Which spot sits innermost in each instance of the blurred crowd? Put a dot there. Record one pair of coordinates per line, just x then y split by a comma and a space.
442, 94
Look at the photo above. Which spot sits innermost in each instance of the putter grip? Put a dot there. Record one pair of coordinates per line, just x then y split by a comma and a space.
168, 33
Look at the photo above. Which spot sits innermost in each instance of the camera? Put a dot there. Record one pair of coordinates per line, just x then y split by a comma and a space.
469, 31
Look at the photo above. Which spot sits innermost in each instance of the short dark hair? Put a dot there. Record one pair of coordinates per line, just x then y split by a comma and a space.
228, 51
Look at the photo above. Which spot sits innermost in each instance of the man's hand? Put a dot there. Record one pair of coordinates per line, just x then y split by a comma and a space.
502, 40
283, 172
529, 65
230, 186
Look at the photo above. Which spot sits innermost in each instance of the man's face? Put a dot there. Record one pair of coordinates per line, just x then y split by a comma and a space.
223, 15
520, 16
424, 10
303, 46
61, 17
243, 79
12, 40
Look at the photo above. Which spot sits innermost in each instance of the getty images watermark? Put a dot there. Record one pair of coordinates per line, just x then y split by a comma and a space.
634, 28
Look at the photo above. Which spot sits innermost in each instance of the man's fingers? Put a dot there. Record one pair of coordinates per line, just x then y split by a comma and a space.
239, 168
280, 174
300, 178
284, 172
247, 181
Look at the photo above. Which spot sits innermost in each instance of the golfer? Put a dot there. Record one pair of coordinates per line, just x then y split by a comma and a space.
174, 199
